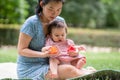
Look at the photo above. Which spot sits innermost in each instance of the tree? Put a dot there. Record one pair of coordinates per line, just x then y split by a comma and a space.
84, 12
13, 11
32, 4
92, 13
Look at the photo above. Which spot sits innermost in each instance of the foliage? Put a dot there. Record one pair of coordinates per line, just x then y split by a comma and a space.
113, 18
13, 11
92, 13
77, 13
32, 4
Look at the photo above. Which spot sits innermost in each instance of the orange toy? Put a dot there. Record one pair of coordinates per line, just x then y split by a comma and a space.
53, 50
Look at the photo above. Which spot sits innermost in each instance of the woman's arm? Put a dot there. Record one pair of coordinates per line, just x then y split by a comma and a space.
23, 49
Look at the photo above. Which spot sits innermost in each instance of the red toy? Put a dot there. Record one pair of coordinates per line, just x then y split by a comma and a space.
73, 48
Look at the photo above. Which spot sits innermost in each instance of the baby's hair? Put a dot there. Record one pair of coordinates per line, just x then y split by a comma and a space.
56, 24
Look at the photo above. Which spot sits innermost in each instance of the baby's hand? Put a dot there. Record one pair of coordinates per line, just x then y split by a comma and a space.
81, 49
72, 51
73, 54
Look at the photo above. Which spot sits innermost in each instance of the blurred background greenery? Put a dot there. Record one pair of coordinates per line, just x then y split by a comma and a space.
93, 22
77, 13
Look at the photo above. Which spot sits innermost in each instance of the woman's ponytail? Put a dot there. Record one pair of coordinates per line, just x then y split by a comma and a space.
38, 8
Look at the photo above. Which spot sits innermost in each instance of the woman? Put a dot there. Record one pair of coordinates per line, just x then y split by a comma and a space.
32, 63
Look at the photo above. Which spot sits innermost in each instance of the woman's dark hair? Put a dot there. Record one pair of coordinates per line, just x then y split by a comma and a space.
39, 8
56, 24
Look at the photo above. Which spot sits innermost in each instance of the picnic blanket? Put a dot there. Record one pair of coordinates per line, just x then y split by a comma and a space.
8, 70
100, 75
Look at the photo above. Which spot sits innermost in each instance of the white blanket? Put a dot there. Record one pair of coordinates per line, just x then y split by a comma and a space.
8, 70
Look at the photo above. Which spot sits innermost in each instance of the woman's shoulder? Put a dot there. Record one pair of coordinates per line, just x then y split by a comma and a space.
32, 19
31, 25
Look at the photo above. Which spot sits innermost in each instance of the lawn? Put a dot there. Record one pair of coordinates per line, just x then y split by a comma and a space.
98, 60
8, 54
104, 60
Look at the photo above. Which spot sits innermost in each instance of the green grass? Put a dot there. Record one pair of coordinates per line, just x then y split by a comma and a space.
104, 60
8, 54
97, 60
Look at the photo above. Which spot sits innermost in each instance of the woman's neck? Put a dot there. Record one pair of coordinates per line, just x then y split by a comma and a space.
43, 19
44, 22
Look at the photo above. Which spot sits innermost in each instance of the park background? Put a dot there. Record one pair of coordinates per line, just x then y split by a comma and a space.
93, 23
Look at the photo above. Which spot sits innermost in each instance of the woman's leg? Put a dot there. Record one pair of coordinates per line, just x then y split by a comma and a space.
68, 71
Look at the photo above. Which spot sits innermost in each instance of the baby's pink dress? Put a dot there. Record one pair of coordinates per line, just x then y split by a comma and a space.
63, 47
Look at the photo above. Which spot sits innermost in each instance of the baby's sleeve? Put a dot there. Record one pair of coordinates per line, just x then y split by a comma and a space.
70, 42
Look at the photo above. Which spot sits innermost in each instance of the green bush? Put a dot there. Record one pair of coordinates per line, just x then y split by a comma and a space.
92, 37
95, 37
96, 40
8, 36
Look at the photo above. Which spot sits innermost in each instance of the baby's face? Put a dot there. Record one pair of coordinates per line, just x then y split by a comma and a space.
58, 34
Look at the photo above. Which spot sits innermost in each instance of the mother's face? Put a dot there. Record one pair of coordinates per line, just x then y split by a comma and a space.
52, 10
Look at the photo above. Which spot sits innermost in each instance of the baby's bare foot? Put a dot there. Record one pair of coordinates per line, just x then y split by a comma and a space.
80, 63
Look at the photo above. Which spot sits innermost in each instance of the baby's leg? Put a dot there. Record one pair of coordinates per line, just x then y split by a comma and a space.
79, 63
54, 67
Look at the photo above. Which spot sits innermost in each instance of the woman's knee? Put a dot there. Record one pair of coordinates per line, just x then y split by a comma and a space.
68, 71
